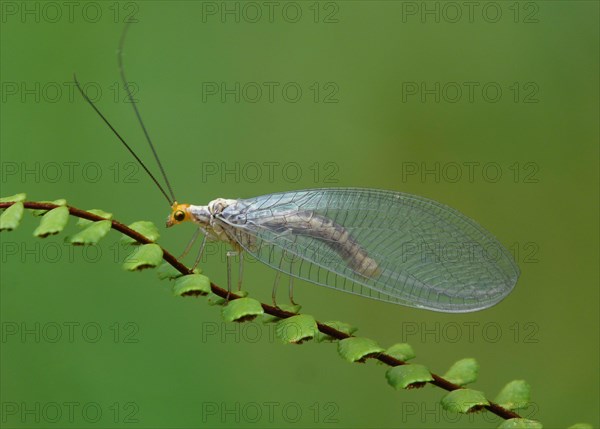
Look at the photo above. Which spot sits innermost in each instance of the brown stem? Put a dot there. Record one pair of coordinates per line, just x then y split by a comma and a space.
274, 311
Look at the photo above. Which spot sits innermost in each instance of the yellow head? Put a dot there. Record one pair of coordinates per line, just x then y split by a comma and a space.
179, 213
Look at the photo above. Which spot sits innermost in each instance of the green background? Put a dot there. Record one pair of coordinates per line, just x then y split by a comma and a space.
173, 363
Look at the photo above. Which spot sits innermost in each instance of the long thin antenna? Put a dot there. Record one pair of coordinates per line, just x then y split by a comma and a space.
91, 103
135, 109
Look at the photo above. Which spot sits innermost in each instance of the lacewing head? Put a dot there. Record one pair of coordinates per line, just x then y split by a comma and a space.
179, 213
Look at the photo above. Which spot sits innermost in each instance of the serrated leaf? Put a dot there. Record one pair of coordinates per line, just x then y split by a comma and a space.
346, 328
464, 400
463, 372
85, 222
296, 329
53, 222
92, 234
242, 310
269, 318
145, 256
192, 285
358, 349
17, 198
514, 395
522, 424
401, 351
11, 217
408, 376
144, 227
41, 212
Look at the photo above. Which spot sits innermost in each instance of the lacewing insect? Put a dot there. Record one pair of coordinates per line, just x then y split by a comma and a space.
385, 245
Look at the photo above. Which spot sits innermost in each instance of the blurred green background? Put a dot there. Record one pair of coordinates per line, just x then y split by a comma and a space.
85, 344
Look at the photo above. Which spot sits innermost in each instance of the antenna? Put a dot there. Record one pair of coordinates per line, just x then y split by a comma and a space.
91, 103
135, 109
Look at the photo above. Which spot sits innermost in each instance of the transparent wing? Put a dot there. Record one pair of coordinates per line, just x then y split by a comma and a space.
385, 245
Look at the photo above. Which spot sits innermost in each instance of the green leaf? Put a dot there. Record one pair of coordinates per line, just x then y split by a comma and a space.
242, 310
144, 227
408, 376
514, 395
40, 212
167, 271
85, 222
339, 326
464, 400
296, 329
269, 318
522, 424
92, 234
145, 256
11, 217
358, 349
463, 372
53, 222
192, 285
215, 299
17, 198
401, 351
581, 426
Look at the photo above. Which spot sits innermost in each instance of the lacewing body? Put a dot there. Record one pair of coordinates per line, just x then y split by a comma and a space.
385, 245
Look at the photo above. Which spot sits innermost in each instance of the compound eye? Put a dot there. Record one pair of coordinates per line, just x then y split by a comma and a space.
179, 215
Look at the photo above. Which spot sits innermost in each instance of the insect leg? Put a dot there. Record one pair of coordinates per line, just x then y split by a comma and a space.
200, 252
291, 290
241, 270
190, 244
230, 255
274, 292
276, 283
